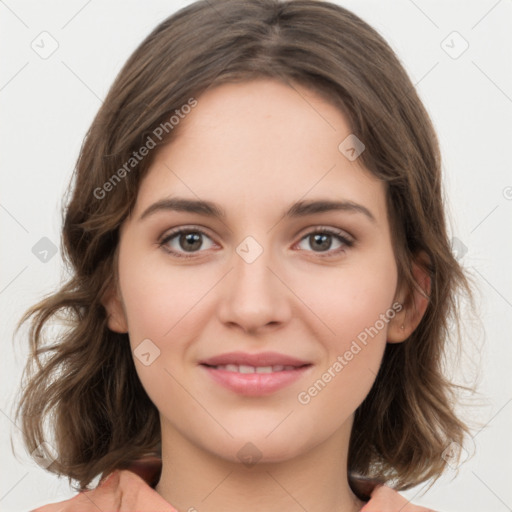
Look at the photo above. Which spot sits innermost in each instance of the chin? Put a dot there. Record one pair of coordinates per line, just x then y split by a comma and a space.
259, 447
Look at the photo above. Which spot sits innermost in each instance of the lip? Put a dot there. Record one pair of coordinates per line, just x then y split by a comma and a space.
258, 359
255, 384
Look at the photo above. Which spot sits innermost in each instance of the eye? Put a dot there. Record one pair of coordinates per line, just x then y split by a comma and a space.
321, 240
190, 240
184, 240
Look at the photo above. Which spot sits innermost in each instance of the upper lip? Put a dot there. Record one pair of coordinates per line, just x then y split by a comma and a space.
259, 359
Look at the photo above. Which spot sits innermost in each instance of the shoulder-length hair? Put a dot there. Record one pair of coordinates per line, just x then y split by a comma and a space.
85, 383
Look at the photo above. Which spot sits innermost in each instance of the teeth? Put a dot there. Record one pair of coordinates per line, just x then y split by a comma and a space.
264, 369
243, 368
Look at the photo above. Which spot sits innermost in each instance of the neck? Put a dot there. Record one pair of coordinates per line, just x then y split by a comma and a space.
194, 479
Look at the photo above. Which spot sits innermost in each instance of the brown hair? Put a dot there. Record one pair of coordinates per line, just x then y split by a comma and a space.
86, 384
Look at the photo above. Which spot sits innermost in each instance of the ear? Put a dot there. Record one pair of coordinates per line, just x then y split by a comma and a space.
113, 305
414, 302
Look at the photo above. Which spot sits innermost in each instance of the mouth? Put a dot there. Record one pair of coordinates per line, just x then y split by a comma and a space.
268, 361
247, 369
255, 379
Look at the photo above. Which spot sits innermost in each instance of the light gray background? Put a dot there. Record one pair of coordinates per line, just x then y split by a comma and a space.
48, 104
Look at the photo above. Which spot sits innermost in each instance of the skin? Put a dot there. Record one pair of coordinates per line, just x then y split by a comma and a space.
254, 149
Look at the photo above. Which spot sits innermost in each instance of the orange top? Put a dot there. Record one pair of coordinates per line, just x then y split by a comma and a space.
131, 490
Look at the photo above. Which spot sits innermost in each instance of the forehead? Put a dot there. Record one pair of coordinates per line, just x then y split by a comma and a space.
260, 144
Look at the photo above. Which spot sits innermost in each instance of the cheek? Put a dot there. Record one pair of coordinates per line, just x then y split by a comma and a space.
354, 304
158, 298
162, 305
358, 315
351, 300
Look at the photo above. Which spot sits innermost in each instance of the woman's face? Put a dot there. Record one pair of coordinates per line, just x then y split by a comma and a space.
249, 277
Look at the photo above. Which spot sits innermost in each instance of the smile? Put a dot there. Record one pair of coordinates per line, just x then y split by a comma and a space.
243, 368
255, 380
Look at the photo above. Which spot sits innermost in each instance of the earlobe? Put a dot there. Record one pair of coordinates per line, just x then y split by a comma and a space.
414, 303
115, 312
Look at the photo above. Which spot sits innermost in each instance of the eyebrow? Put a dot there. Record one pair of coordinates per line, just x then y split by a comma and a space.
298, 209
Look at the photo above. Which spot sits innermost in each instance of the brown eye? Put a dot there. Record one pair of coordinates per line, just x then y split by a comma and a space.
184, 241
322, 240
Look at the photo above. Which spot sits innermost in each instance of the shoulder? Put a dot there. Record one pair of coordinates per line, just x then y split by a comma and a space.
124, 489
121, 490
84, 501
386, 499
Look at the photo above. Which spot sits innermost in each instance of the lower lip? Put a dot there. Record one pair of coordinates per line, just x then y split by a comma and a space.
256, 384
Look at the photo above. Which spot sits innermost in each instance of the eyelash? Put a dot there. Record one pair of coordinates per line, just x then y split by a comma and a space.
346, 241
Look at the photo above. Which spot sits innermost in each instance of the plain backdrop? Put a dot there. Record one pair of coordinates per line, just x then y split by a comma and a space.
459, 55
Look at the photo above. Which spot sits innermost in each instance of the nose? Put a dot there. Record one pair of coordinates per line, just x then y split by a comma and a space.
255, 297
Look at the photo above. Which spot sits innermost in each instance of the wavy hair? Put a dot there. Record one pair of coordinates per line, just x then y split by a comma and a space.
82, 381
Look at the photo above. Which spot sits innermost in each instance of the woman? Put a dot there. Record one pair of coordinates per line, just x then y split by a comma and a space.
262, 279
